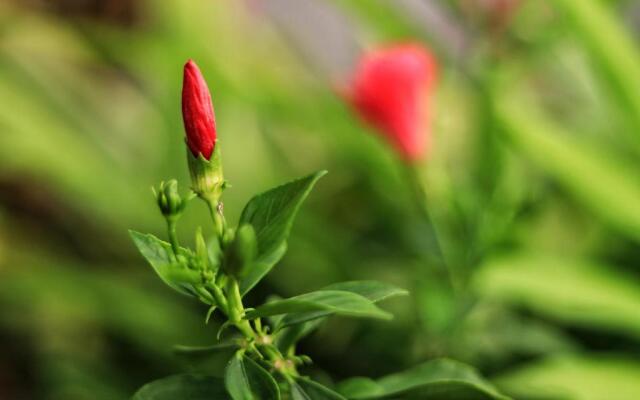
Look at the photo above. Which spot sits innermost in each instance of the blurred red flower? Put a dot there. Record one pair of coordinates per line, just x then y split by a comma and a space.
197, 112
391, 89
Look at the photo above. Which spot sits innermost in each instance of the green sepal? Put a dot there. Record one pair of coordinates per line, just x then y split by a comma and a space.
207, 179
168, 198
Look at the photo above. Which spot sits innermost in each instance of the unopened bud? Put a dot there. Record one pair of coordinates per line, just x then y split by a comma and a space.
169, 201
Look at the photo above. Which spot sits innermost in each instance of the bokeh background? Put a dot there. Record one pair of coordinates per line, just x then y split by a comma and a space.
533, 185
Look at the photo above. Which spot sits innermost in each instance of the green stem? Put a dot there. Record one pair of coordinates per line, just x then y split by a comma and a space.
173, 237
421, 199
215, 209
236, 309
219, 298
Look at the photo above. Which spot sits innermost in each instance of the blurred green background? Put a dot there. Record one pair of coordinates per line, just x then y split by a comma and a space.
533, 184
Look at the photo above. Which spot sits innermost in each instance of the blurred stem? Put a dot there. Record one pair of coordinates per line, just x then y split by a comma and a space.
420, 197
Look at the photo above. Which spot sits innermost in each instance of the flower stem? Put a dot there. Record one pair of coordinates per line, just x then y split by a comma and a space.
173, 237
215, 209
236, 309
420, 197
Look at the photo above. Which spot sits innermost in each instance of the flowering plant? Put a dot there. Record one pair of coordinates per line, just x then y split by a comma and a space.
222, 269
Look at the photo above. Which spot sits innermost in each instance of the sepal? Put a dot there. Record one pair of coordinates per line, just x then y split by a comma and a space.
207, 179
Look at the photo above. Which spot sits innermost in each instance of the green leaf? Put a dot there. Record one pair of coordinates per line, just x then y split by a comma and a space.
159, 254
298, 325
565, 289
184, 386
440, 379
333, 301
306, 389
611, 47
241, 254
586, 377
204, 350
246, 380
600, 181
372, 290
271, 214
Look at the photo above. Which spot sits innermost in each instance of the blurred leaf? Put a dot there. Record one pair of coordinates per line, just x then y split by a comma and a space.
246, 380
333, 301
271, 214
570, 290
596, 178
306, 389
611, 47
440, 379
578, 377
186, 386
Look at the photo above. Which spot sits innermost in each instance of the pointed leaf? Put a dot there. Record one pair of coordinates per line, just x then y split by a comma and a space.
372, 290
271, 214
159, 254
184, 386
246, 380
294, 327
204, 350
333, 301
306, 389
440, 379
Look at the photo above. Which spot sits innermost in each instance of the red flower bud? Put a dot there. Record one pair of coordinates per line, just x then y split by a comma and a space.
391, 90
197, 112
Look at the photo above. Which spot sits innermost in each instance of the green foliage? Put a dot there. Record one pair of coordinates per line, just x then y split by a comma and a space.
246, 380
184, 386
585, 377
438, 379
330, 301
582, 167
271, 214
306, 389
575, 291
241, 254
613, 50
159, 255
87, 124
